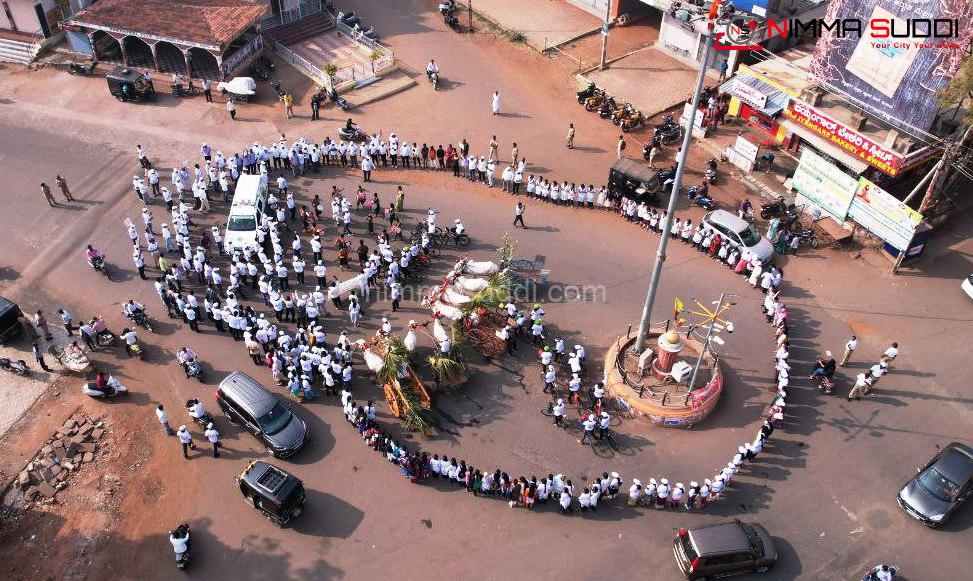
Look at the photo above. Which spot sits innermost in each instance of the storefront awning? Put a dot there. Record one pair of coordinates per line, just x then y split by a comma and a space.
776, 99
853, 163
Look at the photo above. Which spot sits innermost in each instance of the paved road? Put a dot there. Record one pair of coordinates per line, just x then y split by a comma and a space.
825, 489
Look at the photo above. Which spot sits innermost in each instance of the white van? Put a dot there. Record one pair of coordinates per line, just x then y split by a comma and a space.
246, 212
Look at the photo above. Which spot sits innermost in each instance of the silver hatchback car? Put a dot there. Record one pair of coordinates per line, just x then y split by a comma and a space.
739, 233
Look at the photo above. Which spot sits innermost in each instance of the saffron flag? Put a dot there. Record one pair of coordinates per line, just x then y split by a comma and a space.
677, 311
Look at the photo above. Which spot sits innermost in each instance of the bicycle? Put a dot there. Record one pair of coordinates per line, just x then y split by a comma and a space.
607, 446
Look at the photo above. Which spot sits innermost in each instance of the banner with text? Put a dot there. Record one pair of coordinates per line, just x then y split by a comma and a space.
825, 184
884, 215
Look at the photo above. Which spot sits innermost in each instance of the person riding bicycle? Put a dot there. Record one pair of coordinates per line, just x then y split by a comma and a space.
457, 229
604, 423
432, 69
431, 221
94, 256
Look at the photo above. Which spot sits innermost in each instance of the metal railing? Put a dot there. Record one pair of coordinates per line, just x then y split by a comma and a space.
301, 63
386, 59
305, 8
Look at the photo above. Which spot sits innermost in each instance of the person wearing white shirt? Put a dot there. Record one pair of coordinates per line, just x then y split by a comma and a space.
214, 438
850, 347
890, 354
589, 428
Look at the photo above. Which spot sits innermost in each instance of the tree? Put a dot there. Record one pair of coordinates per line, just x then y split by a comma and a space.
374, 56
960, 88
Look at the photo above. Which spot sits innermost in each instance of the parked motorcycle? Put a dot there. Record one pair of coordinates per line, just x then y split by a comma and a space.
277, 89
586, 92
668, 122
776, 208
113, 388
594, 102
633, 122
621, 113
179, 538
266, 61
697, 198
82, 68
672, 135
808, 237
710, 175
17, 367
348, 18
258, 71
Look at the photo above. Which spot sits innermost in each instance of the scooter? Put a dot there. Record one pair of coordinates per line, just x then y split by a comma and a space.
193, 370
136, 349
354, 134
179, 538
608, 108
451, 21
633, 122
113, 389
434, 79
594, 102
17, 367
586, 92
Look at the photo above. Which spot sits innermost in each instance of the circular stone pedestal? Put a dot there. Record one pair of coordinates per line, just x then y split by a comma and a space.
660, 400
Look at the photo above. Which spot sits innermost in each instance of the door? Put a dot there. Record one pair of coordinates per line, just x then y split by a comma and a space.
42, 20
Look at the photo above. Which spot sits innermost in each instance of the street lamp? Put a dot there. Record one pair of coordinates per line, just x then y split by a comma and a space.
660, 256
711, 320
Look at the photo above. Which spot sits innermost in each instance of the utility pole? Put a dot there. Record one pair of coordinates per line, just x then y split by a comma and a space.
709, 336
470, 13
939, 178
604, 33
660, 256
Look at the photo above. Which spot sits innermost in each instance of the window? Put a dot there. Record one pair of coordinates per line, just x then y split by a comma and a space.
275, 420
242, 224
938, 485
750, 236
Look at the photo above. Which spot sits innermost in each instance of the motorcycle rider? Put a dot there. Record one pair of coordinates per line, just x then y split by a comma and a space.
94, 256
134, 310
195, 409
884, 573
186, 357
180, 541
131, 339
431, 69
447, 6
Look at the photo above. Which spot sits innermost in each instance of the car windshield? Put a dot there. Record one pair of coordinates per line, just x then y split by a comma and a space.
688, 548
750, 236
938, 485
242, 223
274, 420
756, 546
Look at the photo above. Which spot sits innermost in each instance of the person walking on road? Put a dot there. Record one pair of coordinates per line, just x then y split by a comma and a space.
850, 347
46, 190
214, 438
66, 319
63, 184
186, 439
859, 389
231, 108
620, 148
495, 104
570, 135
39, 356
40, 321
519, 215
288, 105
207, 91
163, 417
889, 356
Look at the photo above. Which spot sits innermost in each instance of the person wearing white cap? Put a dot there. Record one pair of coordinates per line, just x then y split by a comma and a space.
649, 492
662, 494
717, 487
704, 492
589, 428
692, 495
614, 484
565, 501
558, 412
634, 491
386, 327
186, 439
214, 438
677, 494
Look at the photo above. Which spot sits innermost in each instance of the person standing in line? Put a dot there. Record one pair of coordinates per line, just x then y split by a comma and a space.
315, 107
46, 190
143, 158
214, 438
570, 136
366, 167
519, 216
63, 184
861, 383
494, 149
889, 356
163, 417
620, 147
40, 321
66, 319
495, 104
186, 439
231, 108
514, 154
39, 356
850, 347
207, 91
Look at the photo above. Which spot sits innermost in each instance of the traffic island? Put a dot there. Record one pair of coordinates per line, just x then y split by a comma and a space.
655, 386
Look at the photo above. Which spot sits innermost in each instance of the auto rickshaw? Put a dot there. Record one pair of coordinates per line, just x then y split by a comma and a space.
127, 84
278, 494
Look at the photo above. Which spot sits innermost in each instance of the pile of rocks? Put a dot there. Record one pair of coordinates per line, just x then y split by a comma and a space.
73, 444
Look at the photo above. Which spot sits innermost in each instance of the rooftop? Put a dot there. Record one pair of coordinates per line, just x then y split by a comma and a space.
211, 23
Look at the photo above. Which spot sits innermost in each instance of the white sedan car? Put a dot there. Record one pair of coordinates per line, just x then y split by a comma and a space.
967, 286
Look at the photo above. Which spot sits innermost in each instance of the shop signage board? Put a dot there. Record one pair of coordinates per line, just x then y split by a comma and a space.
883, 215
844, 137
747, 93
825, 184
746, 148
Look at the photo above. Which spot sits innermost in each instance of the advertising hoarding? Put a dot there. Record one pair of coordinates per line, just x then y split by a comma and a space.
846, 138
825, 184
897, 78
883, 215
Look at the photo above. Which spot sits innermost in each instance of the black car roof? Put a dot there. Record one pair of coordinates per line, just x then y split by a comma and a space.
124, 74
275, 483
956, 463
5, 305
716, 539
